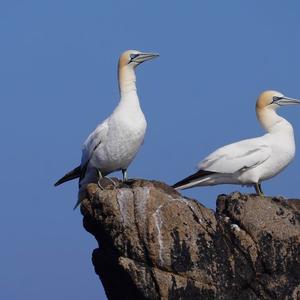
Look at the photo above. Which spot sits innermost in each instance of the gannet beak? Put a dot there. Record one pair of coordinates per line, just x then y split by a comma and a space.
281, 101
141, 57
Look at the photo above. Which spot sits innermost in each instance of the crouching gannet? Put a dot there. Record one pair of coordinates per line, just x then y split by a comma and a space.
251, 161
115, 142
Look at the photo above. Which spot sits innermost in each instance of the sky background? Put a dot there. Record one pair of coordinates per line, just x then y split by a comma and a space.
58, 62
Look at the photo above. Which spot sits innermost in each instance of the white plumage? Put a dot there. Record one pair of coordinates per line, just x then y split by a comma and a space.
115, 142
251, 161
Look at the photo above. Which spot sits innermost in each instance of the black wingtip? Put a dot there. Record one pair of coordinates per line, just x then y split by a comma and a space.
75, 173
76, 205
197, 175
57, 183
63, 179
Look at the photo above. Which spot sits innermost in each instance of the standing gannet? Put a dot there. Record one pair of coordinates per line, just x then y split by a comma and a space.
115, 142
251, 161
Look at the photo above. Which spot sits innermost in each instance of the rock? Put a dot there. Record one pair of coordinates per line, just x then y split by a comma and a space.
156, 244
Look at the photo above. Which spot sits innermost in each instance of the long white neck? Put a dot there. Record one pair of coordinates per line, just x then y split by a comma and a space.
271, 121
129, 100
126, 81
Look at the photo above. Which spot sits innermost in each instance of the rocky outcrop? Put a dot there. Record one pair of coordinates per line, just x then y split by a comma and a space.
156, 244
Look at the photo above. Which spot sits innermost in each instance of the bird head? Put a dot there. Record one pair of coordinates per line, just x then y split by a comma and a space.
133, 58
273, 100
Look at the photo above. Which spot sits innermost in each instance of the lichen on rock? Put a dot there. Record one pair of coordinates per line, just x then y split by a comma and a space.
156, 244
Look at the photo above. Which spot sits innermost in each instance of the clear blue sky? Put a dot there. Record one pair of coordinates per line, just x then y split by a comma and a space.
58, 80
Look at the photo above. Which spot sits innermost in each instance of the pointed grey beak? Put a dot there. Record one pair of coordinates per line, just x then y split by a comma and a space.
286, 101
141, 57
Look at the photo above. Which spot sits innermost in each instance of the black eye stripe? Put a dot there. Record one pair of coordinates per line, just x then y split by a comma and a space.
133, 56
276, 98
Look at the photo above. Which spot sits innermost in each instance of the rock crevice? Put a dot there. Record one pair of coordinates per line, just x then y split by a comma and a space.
156, 244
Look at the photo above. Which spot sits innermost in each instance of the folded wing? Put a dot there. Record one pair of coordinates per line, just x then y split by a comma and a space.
236, 157
93, 141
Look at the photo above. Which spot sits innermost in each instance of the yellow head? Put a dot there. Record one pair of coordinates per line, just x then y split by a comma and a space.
132, 58
273, 100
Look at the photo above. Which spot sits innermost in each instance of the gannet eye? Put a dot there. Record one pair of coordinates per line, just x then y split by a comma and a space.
133, 56
276, 99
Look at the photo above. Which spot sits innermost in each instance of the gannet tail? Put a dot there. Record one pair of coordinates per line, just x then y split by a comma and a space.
192, 180
75, 173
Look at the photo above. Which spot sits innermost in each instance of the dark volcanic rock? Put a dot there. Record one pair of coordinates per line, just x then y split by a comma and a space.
156, 244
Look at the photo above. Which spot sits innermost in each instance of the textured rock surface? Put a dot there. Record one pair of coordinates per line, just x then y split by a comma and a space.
156, 244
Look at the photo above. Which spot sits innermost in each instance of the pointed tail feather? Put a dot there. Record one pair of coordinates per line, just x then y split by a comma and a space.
77, 203
75, 173
188, 181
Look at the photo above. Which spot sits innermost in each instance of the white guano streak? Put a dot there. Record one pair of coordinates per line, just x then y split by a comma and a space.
190, 206
122, 197
158, 223
141, 198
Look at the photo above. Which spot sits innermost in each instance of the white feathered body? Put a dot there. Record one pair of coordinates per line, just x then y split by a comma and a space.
113, 145
281, 153
249, 161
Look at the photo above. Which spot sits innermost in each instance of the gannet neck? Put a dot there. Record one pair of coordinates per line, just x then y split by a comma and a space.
128, 61
127, 80
271, 121
266, 106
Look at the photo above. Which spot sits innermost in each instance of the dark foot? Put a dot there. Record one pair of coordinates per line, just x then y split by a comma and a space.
124, 173
258, 189
115, 183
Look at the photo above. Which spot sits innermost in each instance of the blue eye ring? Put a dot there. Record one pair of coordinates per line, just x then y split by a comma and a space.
133, 56
276, 98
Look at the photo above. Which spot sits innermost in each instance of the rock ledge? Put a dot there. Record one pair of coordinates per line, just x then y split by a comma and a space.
156, 244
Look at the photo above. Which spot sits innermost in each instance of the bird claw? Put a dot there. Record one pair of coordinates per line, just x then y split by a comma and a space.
99, 185
113, 182
100, 177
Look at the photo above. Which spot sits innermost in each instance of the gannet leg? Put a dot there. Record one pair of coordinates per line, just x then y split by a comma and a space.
99, 179
112, 181
258, 189
124, 173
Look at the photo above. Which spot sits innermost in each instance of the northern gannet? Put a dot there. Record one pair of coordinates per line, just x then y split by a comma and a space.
115, 142
251, 161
